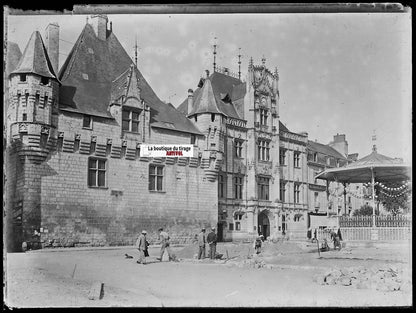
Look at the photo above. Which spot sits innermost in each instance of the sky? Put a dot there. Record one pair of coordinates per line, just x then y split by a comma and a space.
346, 73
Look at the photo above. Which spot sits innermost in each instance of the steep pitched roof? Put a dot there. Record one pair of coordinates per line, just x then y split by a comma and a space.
215, 96
324, 149
282, 127
35, 58
95, 73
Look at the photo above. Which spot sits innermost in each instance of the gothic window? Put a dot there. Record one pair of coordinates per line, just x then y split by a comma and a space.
76, 145
37, 99
263, 150
282, 157
130, 120
263, 187
296, 159
156, 177
87, 121
26, 99
92, 147
97, 172
238, 147
263, 117
282, 190
238, 187
296, 192
221, 186
315, 157
45, 100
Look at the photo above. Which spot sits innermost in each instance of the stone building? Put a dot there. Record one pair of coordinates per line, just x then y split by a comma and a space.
74, 174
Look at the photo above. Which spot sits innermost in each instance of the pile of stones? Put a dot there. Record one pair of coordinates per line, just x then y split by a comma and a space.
383, 278
251, 263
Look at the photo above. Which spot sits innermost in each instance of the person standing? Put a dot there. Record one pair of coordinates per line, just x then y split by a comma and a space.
142, 247
164, 240
212, 241
201, 244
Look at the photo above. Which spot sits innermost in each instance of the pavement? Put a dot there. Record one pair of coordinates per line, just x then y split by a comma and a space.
43, 278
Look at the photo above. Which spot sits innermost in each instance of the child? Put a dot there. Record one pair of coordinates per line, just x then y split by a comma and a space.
257, 245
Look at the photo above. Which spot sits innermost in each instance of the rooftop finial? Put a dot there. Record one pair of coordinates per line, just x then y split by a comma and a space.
250, 64
263, 61
215, 52
239, 63
135, 51
374, 138
87, 19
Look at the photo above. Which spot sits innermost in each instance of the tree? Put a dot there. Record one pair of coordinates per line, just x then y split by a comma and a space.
394, 204
365, 210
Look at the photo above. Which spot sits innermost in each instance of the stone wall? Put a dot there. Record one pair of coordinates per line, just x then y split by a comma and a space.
73, 213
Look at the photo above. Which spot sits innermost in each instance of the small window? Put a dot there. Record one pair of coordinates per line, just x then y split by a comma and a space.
196, 118
296, 159
26, 99
237, 226
263, 187
87, 121
193, 139
238, 146
315, 157
282, 156
221, 186
22, 77
24, 117
263, 117
282, 190
44, 80
123, 152
37, 99
130, 121
238, 187
43, 140
212, 117
108, 149
231, 226
97, 172
156, 177
263, 150
296, 193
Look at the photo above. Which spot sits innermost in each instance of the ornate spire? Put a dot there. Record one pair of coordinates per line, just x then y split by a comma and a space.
135, 51
263, 61
374, 138
87, 19
276, 73
250, 64
239, 63
215, 52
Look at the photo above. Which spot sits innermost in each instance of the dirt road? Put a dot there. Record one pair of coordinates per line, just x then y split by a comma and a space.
63, 279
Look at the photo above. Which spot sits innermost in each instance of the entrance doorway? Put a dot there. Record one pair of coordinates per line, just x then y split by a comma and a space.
263, 225
220, 232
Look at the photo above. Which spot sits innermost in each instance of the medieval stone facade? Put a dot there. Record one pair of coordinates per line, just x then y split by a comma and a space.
74, 175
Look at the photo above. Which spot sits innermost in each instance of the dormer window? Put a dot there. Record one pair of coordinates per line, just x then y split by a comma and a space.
87, 121
44, 80
212, 117
22, 77
130, 121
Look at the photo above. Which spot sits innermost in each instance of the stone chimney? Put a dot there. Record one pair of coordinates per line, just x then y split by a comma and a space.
52, 45
99, 23
190, 100
340, 144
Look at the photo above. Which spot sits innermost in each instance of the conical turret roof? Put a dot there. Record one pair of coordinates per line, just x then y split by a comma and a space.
35, 58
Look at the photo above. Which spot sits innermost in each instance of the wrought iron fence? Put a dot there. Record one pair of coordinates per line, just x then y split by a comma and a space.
383, 233
381, 221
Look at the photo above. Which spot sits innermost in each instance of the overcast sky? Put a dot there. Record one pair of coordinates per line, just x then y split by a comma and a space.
339, 73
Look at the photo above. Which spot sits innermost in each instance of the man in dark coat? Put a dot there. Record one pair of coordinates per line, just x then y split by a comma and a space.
201, 243
212, 241
142, 247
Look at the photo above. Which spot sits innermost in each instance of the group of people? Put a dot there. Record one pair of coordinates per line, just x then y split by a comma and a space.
142, 245
336, 237
211, 240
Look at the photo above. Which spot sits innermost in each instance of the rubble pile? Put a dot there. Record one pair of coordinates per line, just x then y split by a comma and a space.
384, 278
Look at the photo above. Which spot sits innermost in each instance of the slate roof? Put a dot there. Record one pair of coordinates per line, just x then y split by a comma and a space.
88, 76
215, 96
324, 149
282, 127
35, 59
